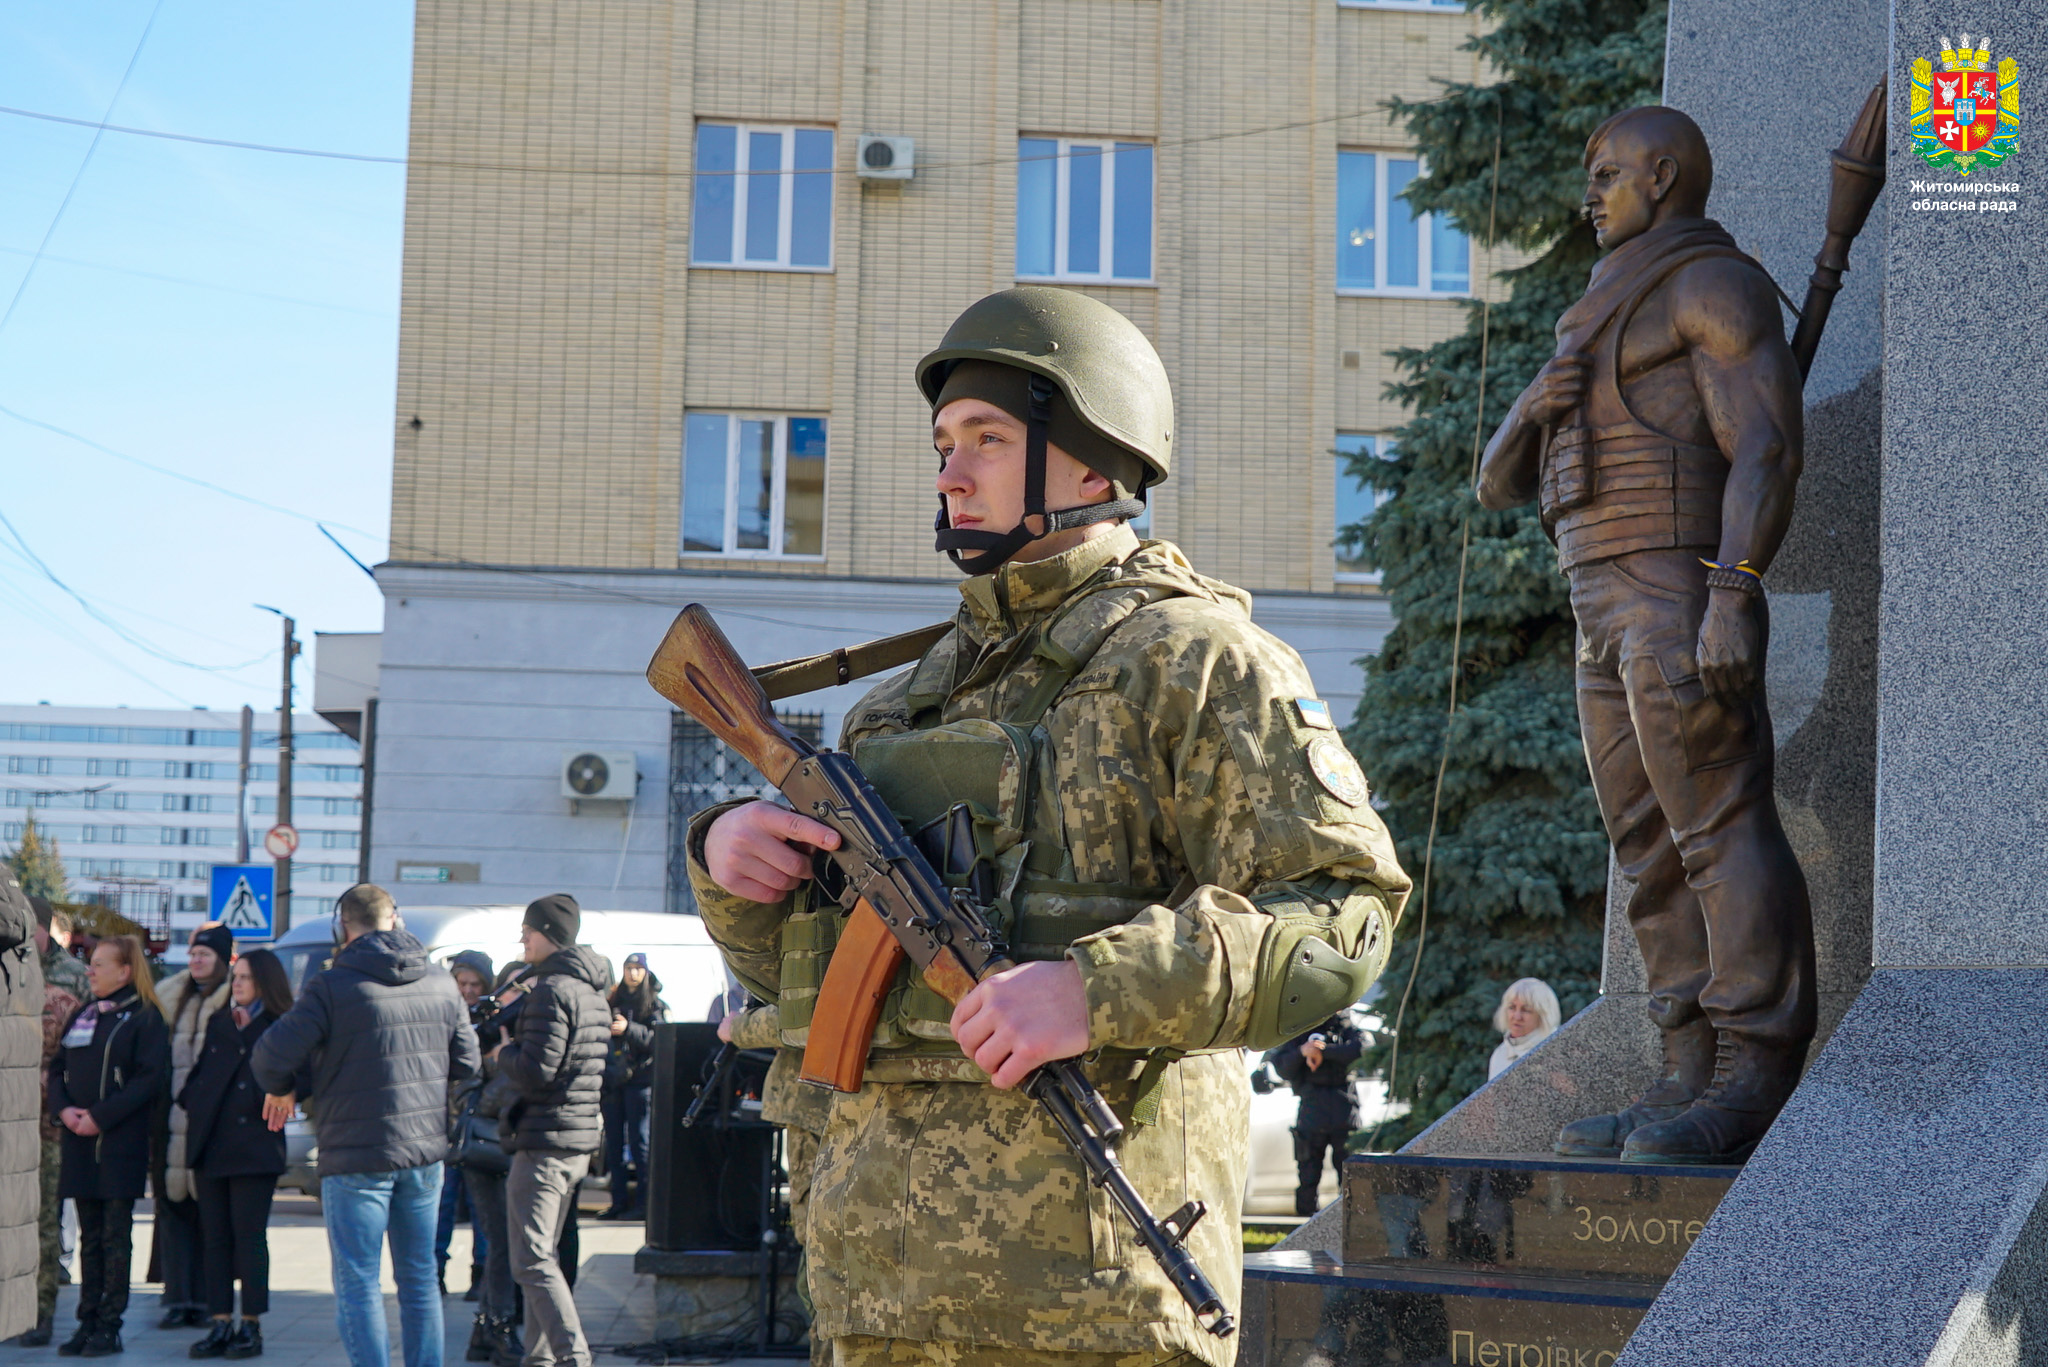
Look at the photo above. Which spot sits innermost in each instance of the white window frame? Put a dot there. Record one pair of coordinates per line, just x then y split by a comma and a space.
778, 496
1063, 165
785, 203
1382, 449
1425, 224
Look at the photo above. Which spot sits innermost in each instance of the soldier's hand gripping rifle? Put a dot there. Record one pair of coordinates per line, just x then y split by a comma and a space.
898, 905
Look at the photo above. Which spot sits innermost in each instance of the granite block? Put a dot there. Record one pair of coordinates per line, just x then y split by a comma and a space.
1729, 64
1597, 1061
1894, 1214
1962, 815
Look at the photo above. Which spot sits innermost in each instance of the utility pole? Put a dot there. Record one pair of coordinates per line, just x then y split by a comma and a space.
242, 789
283, 896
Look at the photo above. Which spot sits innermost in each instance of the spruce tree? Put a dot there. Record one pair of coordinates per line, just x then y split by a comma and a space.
1519, 864
37, 865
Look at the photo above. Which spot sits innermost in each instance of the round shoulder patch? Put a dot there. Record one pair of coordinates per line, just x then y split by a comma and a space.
1334, 768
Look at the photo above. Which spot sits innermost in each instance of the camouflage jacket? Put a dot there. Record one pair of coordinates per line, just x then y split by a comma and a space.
785, 1100
62, 969
1189, 754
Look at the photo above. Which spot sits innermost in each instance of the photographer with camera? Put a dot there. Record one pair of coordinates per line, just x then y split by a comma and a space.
554, 1060
1318, 1066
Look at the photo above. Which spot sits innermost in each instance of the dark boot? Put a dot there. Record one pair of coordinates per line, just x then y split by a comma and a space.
216, 1341
509, 1349
40, 1336
102, 1343
1688, 1068
480, 1340
1752, 1083
247, 1342
73, 1346
441, 1276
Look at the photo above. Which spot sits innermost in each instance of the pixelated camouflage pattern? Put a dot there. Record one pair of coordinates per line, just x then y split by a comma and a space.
61, 968
49, 1230
785, 1099
1178, 759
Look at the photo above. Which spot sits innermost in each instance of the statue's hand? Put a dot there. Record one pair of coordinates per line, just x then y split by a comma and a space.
1731, 645
1557, 389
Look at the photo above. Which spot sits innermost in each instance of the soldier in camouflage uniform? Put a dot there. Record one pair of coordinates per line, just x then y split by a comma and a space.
1164, 824
64, 991
801, 1111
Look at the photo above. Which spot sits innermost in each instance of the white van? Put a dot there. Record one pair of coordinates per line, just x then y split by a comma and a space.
678, 949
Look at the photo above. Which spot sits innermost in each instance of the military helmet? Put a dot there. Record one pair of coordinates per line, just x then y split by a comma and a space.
1102, 363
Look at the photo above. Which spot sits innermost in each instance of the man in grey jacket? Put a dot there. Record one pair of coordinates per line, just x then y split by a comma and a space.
383, 1032
555, 1062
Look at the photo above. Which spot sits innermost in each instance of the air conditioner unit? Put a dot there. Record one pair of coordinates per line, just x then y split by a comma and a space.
886, 158
599, 775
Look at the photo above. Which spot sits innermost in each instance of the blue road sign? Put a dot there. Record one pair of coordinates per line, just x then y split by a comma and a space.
243, 900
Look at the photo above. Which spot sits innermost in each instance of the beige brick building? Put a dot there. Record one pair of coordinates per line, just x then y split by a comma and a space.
650, 303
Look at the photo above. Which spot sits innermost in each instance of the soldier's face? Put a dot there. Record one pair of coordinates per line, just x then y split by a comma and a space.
1624, 185
981, 475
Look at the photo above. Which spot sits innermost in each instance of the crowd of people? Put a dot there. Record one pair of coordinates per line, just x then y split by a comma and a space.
437, 1093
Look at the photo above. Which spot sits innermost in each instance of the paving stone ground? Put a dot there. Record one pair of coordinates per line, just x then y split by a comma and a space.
617, 1305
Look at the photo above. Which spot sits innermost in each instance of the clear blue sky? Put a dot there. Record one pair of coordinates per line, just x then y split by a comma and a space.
230, 315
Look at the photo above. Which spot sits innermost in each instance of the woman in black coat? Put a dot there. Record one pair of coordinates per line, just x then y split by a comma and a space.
236, 1156
115, 1058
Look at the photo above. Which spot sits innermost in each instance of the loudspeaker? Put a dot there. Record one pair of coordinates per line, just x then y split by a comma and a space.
707, 1187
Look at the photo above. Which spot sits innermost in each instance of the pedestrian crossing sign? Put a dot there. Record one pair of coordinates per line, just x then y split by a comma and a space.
242, 900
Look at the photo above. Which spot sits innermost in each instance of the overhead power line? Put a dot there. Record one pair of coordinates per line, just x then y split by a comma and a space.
655, 172
21, 287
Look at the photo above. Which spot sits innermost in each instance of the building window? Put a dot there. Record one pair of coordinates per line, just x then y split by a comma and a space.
1353, 500
764, 198
1437, 5
1383, 245
753, 485
704, 772
1084, 210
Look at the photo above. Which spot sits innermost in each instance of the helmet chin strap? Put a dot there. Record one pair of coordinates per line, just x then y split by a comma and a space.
978, 552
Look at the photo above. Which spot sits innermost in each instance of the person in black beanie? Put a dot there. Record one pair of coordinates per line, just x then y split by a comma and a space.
555, 1065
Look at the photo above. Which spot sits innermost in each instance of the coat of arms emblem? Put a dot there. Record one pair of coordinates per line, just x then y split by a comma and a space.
1966, 114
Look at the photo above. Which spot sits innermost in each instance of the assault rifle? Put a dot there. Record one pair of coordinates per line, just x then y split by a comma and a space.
898, 906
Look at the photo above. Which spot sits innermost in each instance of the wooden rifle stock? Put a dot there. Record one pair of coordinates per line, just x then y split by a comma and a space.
697, 669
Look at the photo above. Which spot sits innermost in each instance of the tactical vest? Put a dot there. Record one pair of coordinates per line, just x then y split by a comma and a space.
1612, 490
1002, 771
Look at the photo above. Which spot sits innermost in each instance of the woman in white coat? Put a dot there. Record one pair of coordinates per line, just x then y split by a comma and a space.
1527, 1016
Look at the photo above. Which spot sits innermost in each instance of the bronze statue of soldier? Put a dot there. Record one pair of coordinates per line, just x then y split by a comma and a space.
1663, 444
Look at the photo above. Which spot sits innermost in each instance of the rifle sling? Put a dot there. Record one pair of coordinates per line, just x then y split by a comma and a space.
788, 678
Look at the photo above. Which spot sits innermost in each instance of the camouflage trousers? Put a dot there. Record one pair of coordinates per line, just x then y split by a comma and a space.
858, 1350
799, 1148
49, 1219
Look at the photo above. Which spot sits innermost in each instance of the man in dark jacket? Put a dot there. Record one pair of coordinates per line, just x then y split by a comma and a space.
555, 1062
1318, 1066
384, 1031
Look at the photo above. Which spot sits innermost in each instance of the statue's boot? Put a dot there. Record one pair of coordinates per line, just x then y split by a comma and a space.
1688, 1068
1752, 1082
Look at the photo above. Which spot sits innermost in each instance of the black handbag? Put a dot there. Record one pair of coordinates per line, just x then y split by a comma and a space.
473, 1139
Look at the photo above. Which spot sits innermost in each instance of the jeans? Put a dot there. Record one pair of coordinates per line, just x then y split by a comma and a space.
234, 1213
106, 1234
625, 1143
360, 1208
541, 1197
455, 1208
487, 1214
